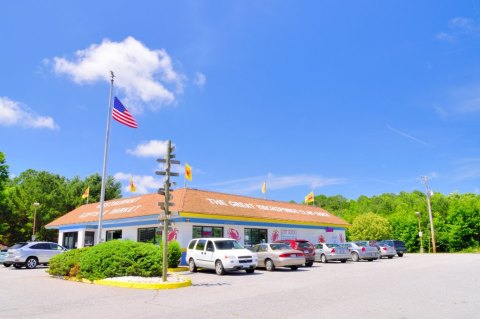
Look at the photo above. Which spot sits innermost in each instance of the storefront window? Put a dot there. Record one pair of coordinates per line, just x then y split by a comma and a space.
147, 235
70, 240
89, 238
255, 236
114, 234
207, 231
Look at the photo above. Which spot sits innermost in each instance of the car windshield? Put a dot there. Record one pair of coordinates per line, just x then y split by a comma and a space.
18, 245
361, 243
332, 245
279, 246
227, 244
304, 244
399, 243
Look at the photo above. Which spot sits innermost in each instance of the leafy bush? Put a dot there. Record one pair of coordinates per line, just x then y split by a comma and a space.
174, 253
67, 263
118, 258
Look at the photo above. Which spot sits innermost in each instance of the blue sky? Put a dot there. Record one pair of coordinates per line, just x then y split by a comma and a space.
339, 97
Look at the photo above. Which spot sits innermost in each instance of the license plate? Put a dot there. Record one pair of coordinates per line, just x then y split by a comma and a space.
293, 255
305, 251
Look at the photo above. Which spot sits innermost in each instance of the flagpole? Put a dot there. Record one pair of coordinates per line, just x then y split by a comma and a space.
105, 156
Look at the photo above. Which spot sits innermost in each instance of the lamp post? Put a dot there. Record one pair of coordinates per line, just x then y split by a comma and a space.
429, 193
34, 219
420, 234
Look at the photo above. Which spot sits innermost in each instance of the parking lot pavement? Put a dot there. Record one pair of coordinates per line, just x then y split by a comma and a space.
415, 286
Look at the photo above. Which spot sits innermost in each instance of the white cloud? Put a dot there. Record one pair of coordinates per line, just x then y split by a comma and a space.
141, 73
153, 148
15, 113
459, 26
254, 184
200, 79
144, 184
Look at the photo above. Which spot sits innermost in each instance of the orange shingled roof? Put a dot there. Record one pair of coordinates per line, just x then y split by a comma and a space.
187, 200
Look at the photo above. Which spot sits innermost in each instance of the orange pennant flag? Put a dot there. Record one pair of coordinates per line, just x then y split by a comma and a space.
188, 172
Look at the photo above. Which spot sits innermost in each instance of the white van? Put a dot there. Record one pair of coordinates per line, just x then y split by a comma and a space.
221, 254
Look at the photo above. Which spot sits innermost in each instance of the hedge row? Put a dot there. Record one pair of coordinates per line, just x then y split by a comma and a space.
115, 258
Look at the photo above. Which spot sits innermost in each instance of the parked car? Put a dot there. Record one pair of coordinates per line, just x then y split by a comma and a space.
386, 251
273, 255
220, 254
330, 252
31, 254
302, 245
3, 255
397, 244
362, 252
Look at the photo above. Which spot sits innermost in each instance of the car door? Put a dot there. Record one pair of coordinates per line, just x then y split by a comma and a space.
209, 255
54, 249
198, 252
40, 251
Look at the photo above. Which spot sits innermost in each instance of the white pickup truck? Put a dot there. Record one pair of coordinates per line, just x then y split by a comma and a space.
221, 254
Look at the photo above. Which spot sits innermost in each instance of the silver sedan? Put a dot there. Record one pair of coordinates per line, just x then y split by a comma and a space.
328, 252
359, 252
387, 251
272, 255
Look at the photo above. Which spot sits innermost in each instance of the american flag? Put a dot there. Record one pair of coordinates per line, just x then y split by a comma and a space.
121, 114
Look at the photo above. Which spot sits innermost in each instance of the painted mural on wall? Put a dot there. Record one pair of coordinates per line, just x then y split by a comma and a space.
172, 234
234, 234
275, 235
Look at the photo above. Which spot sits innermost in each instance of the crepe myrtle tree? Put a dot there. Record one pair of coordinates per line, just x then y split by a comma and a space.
370, 226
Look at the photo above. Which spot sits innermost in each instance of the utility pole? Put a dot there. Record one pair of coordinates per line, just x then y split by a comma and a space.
420, 234
164, 206
429, 193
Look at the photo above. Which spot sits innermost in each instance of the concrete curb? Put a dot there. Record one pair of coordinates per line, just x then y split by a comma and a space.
136, 285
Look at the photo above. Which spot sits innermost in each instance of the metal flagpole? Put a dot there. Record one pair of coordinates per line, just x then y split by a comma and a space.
105, 155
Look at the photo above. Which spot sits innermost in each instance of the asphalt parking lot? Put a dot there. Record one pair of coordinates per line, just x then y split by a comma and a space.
415, 286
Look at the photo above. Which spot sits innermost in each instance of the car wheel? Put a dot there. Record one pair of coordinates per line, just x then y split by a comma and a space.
250, 271
269, 265
400, 254
323, 259
7, 265
191, 265
31, 263
343, 261
309, 264
17, 266
219, 270
293, 267
355, 257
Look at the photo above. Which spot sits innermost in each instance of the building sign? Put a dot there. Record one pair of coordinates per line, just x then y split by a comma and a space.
221, 202
113, 210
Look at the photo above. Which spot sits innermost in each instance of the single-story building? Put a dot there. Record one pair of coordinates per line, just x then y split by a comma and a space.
199, 213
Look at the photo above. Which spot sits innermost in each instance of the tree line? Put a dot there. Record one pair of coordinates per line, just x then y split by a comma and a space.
456, 219
386, 216
56, 195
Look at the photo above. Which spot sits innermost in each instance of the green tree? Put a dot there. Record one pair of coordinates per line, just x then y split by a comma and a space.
56, 196
4, 179
370, 226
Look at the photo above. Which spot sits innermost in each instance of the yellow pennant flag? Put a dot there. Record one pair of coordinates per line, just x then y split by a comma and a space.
133, 188
188, 172
309, 198
264, 187
86, 193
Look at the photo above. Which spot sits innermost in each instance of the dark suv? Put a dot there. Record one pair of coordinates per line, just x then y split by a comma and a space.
304, 245
397, 244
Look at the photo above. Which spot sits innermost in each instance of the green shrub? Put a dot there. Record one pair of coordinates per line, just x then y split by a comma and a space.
119, 258
174, 254
67, 263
